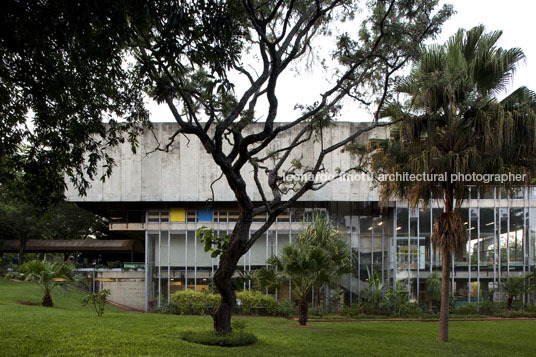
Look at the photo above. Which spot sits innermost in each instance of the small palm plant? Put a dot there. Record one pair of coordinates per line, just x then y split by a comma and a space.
512, 287
433, 289
318, 257
48, 276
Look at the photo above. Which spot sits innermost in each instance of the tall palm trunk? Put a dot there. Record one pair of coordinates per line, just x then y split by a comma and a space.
302, 310
445, 278
444, 314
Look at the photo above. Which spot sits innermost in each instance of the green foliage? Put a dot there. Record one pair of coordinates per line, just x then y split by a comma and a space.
318, 256
255, 302
189, 302
488, 307
168, 308
512, 286
73, 330
211, 338
48, 276
98, 300
287, 309
433, 287
316, 312
239, 325
213, 243
352, 310
375, 291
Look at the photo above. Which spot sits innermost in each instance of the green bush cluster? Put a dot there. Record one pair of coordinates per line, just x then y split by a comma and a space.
256, 303
490, 308
189, 302
392, 303
317, 312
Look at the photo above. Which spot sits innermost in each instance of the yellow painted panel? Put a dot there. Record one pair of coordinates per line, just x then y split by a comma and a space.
177, 215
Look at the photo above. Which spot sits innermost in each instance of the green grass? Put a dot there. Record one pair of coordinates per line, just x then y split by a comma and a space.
71, 330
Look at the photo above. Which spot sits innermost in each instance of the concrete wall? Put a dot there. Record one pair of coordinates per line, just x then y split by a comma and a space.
184, 174
127, 287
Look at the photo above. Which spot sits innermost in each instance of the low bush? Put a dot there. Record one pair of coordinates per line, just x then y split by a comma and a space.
488, 307
353, 310
287, 309
98, 300
189, 302
210, 338
256, 303
316, 312
169, 308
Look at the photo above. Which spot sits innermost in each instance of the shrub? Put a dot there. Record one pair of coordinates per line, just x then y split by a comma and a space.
287, 309
98, 300
409, 309
316, 311
209, 337
465, 309
352, 310
189, 302
488, 307
255, 302
169, 308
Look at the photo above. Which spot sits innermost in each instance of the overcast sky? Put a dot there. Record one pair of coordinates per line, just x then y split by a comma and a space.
516, 18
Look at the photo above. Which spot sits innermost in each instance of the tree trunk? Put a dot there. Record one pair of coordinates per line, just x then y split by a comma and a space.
224, 274
47, 300
509, 303
444, 314
302, 310
430, 307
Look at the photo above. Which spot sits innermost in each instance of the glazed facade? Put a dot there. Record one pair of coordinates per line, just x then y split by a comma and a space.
391, 239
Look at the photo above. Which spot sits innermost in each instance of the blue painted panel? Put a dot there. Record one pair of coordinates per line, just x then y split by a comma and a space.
204, 215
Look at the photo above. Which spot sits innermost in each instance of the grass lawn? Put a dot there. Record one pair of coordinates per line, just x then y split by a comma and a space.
71, 330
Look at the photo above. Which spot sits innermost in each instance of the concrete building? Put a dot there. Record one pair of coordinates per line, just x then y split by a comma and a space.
163, 198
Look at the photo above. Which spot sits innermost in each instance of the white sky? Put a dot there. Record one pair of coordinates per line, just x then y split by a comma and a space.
514, 17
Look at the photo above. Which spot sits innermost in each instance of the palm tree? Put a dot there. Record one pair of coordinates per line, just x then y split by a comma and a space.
433, 289
454, 124
512, 287
48, 276
318, 257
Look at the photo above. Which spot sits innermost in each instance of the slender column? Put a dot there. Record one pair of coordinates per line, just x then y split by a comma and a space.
478, 249
494, 237
195, 251
452, 274
249, 263
372, 245
266, 256
186, 255
382, 247
395, 248
525, 258
146, 263
508, 237
469, 251
499, 218
169, 262
418, 249
290, 242
276, 251
159, 258
431, 229
409, 251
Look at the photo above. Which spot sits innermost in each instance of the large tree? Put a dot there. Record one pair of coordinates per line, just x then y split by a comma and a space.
92, 61
454, 124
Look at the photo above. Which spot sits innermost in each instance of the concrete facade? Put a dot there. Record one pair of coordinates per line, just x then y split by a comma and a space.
184, 174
